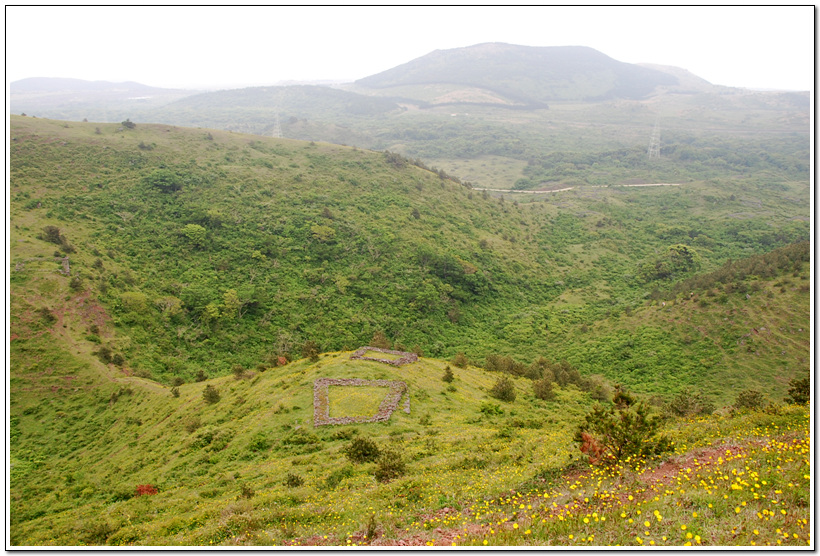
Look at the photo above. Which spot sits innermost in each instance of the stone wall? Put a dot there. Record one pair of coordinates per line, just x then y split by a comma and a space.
321, 403
406, 356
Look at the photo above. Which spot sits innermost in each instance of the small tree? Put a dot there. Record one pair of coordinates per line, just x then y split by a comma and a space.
448, 374
310, 350
361, 450
389, 466
610, 434
688, 402
543, 389
749, 399
800, 390
460, 360
196, 234
52, 235
379, 340
238, 371
503, 389
211, 394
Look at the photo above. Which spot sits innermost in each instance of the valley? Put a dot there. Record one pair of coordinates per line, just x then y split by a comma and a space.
409, 318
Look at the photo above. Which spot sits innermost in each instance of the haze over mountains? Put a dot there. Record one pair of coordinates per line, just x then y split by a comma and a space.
508, 74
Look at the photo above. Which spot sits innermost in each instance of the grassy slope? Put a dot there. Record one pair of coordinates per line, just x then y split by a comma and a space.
221, 469
85, 434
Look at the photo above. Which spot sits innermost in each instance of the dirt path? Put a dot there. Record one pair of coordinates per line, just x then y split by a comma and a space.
541, 192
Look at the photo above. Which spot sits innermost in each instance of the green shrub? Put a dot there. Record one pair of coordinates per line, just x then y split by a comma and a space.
448, 374
260, 442
489, 408
52, 235
503, 389
625, 429
292, 480
336, 477
362, 450
211, 394
344, 434
310, 350
379, 340
543, 389
799, 390
460, 360
688, 403
192, 424
389, 466
749, 400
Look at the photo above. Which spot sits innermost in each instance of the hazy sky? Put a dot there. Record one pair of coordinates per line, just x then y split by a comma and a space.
202, 46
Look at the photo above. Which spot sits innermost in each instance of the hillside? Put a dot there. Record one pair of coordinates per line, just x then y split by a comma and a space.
176, 294
197, 243
525, 75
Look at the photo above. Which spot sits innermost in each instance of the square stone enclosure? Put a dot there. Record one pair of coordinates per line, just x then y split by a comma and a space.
321, 402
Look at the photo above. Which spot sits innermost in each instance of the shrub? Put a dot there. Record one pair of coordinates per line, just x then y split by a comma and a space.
128, 124
344, 434
389, 466
448, 374
460, 360
175, 392
336, 477
146, 490
260, 442
543, 389
238, 371
52, 235
362, 450
503, 389
96, 531
211, 394
625, 429
488, 408
800, 390
310, 350
292, 480
688, 403
163, 179
749, 399
379, 340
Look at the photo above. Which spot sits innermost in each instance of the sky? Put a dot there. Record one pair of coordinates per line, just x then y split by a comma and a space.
198, 47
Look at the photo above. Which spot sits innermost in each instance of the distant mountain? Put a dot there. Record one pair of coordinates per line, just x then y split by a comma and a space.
58, 85
527, 75
687, 81
75, 99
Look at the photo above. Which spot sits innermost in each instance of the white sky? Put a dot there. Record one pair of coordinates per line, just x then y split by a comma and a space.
208, 46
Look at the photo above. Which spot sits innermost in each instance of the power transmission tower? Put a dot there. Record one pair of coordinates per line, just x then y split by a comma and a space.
277, 126
654, 150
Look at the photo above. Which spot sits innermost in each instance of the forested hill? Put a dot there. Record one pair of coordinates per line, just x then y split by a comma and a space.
200, 250
526, 74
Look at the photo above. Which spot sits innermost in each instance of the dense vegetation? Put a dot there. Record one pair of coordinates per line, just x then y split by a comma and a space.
211, 250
